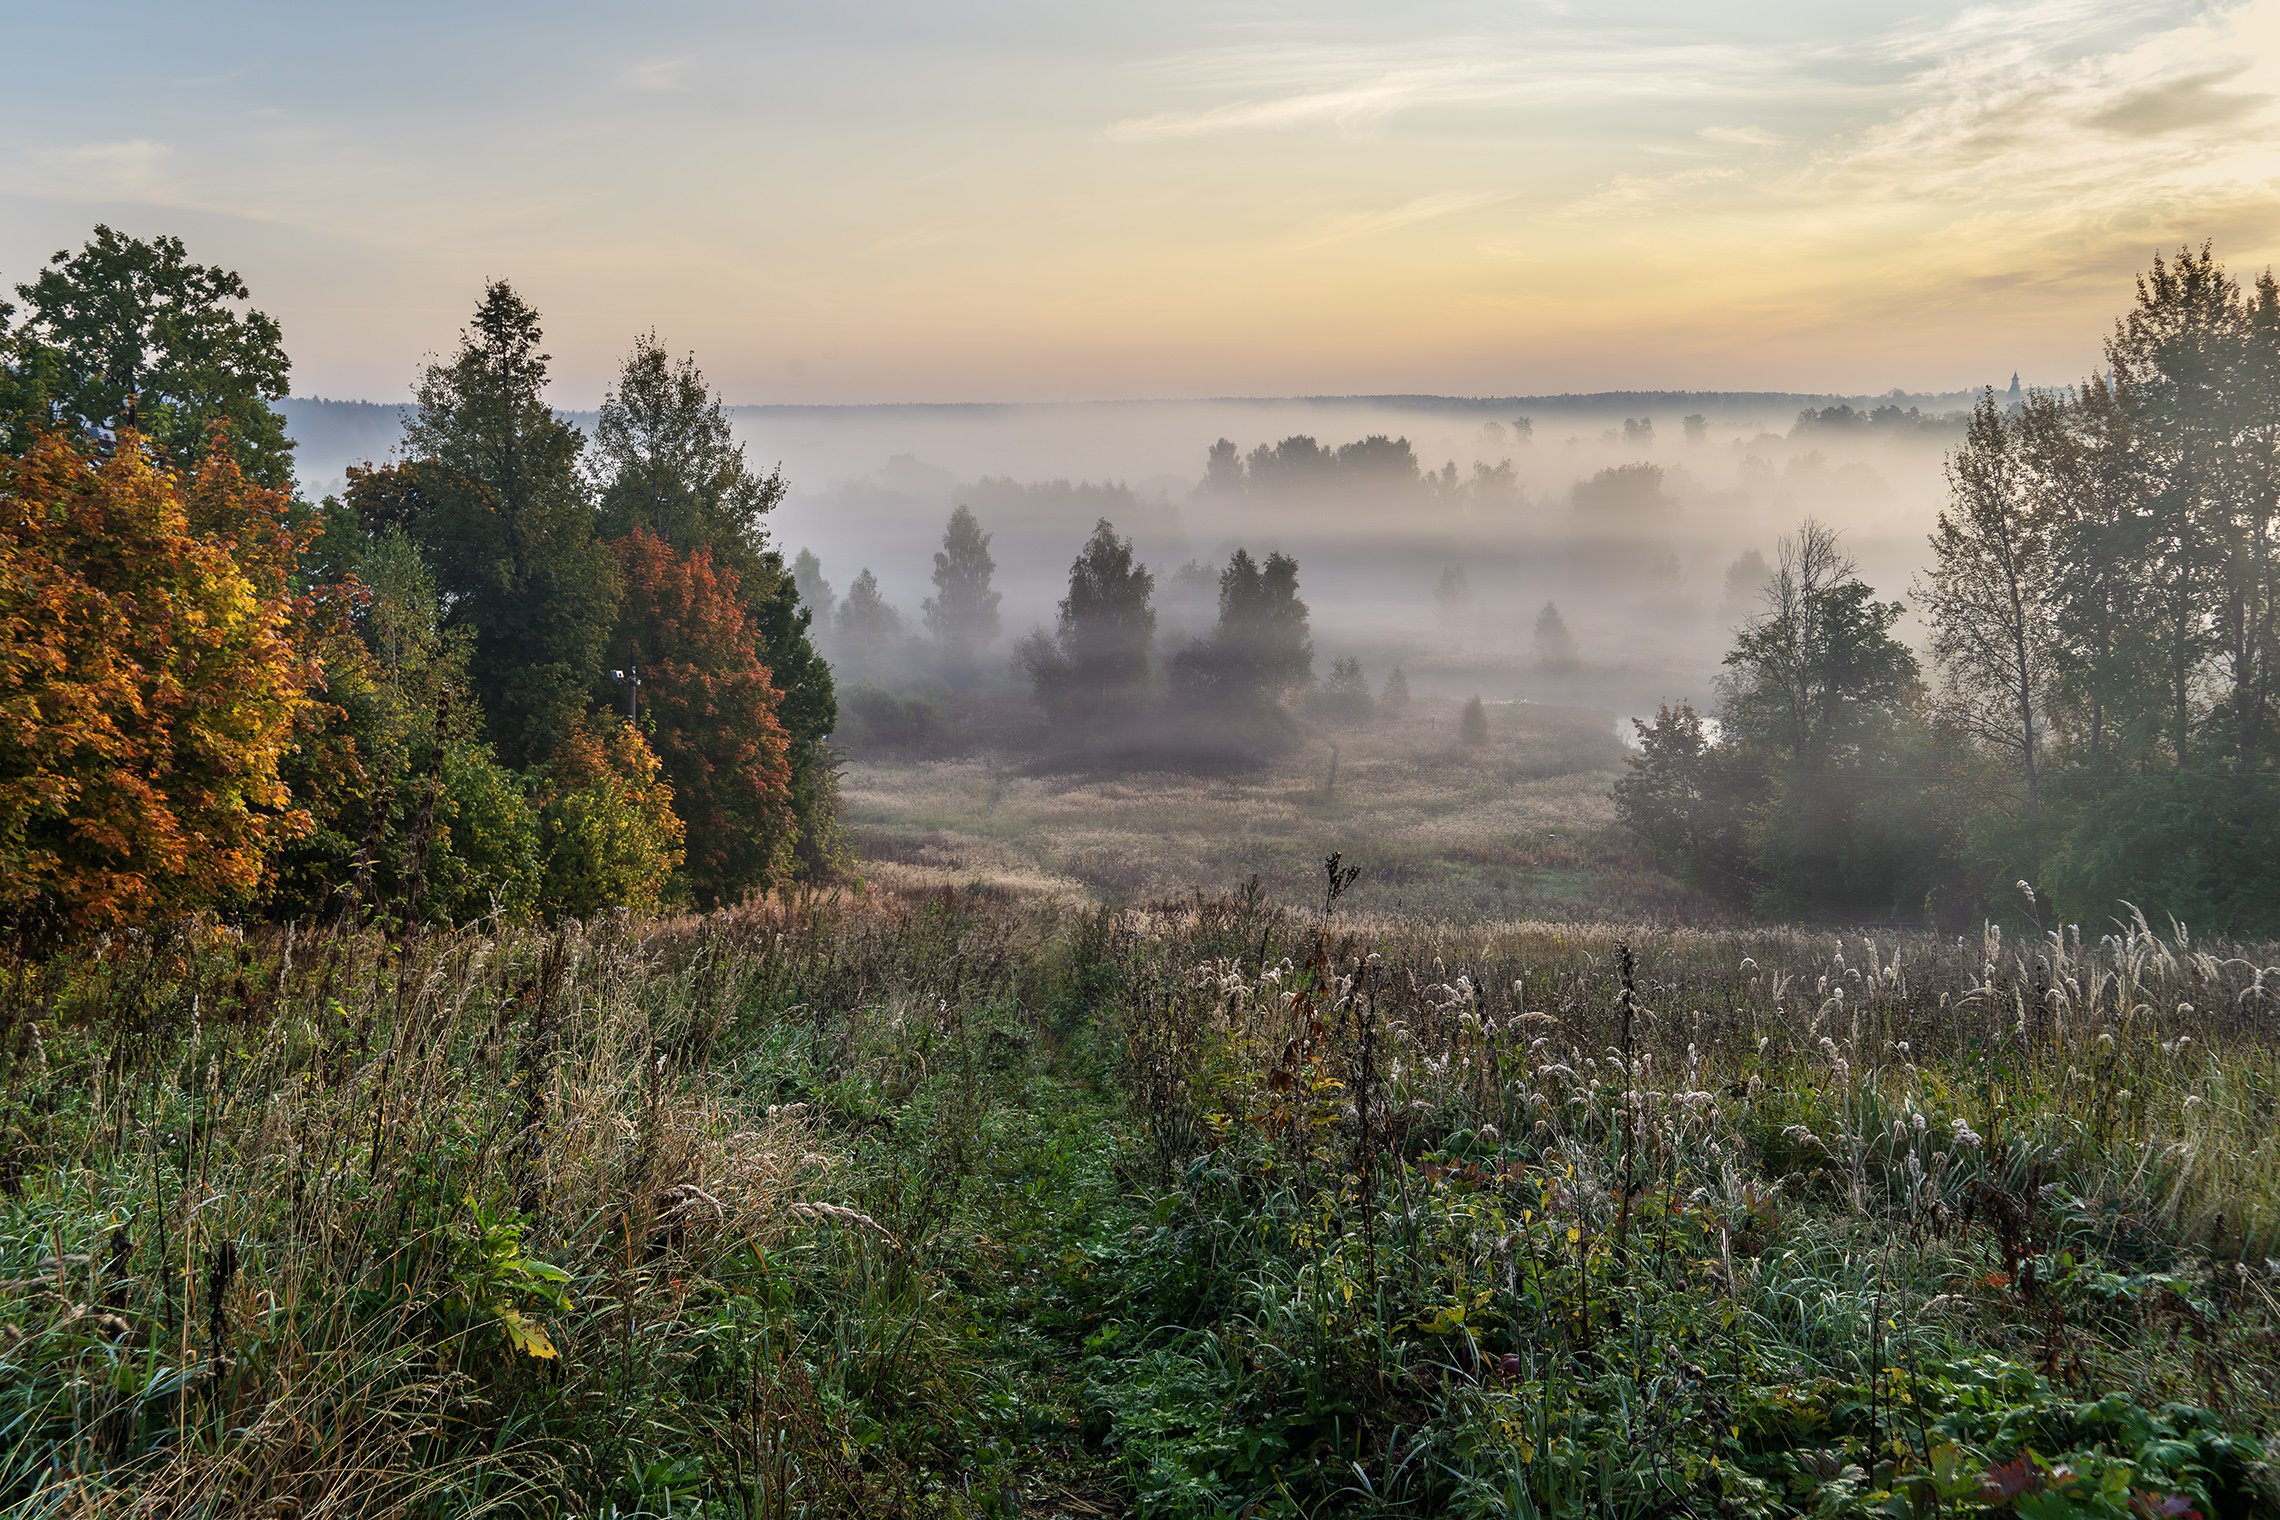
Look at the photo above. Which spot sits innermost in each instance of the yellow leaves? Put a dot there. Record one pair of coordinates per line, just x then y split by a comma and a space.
149, 682
526, 1335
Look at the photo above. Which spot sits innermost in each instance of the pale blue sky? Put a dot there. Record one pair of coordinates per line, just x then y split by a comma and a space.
886, 202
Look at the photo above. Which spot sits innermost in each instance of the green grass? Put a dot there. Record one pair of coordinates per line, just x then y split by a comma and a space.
968, 1202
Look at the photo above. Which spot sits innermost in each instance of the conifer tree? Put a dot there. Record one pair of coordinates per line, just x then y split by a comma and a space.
493, 493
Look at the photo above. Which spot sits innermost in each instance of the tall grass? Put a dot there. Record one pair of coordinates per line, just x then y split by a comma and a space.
944, 1202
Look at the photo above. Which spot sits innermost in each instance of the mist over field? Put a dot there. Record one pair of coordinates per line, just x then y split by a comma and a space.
1615, 508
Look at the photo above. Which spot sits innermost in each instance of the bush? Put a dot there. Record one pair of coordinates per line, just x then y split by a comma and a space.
1472, 724
611, 837
873, 717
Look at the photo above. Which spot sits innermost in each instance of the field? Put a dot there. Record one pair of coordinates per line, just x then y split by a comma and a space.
972, 1201
1520, 827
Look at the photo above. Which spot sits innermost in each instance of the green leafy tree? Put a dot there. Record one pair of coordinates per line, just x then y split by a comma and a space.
867, 632
1554, 647
1690, 799
1262, 649
1987, 594
963, 613
1394, 699
1829, 707
493, 494
1095, 662
1818, 675
127, 335
1344, 694
612, 839
414, 817
807, 574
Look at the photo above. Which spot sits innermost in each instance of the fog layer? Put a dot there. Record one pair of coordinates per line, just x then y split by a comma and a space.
1431, 533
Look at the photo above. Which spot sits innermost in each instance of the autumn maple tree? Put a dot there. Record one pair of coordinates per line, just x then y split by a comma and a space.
150, 683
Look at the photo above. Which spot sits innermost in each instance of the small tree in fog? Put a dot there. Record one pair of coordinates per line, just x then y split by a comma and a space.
1394, 700
1472, 724
1223, 470
1344, 695
1818, 676
1453, 591
1097, 657
1697, 427
807, 575
867, 629
1743, 578
1262, 649
963, 613
1555, 646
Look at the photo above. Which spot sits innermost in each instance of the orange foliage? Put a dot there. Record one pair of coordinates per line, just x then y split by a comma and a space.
713, 704
149, 684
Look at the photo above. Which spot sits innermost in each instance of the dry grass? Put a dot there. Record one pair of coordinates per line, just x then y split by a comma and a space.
1519, 828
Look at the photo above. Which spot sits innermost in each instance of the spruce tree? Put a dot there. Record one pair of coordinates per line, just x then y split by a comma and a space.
494, 495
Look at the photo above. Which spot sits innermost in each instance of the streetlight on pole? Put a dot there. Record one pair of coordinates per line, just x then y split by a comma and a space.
630, 679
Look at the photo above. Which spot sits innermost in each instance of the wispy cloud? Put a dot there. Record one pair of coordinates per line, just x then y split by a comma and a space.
135, 169
656, 76
1425, 208
1278, 88
1748, 137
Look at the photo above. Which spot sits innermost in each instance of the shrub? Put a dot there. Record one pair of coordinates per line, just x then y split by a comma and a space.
611, 838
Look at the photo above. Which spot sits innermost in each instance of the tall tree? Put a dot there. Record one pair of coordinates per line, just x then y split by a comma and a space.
963, 613
668, 462
1096, 660
2106, 681
2177, 361
712, 709
1554, 647
150, 686
666, 459
128, 335
1987, 595
493, 494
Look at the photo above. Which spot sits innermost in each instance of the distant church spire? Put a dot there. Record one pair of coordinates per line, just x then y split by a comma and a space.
2014, 385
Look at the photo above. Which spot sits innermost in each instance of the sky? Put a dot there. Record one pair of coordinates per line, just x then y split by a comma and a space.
1021, 200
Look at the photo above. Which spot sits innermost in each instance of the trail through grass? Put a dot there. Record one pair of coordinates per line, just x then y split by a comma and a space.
942, 1203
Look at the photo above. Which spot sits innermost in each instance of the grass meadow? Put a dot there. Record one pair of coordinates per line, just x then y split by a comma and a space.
1520, 827
969, 1199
